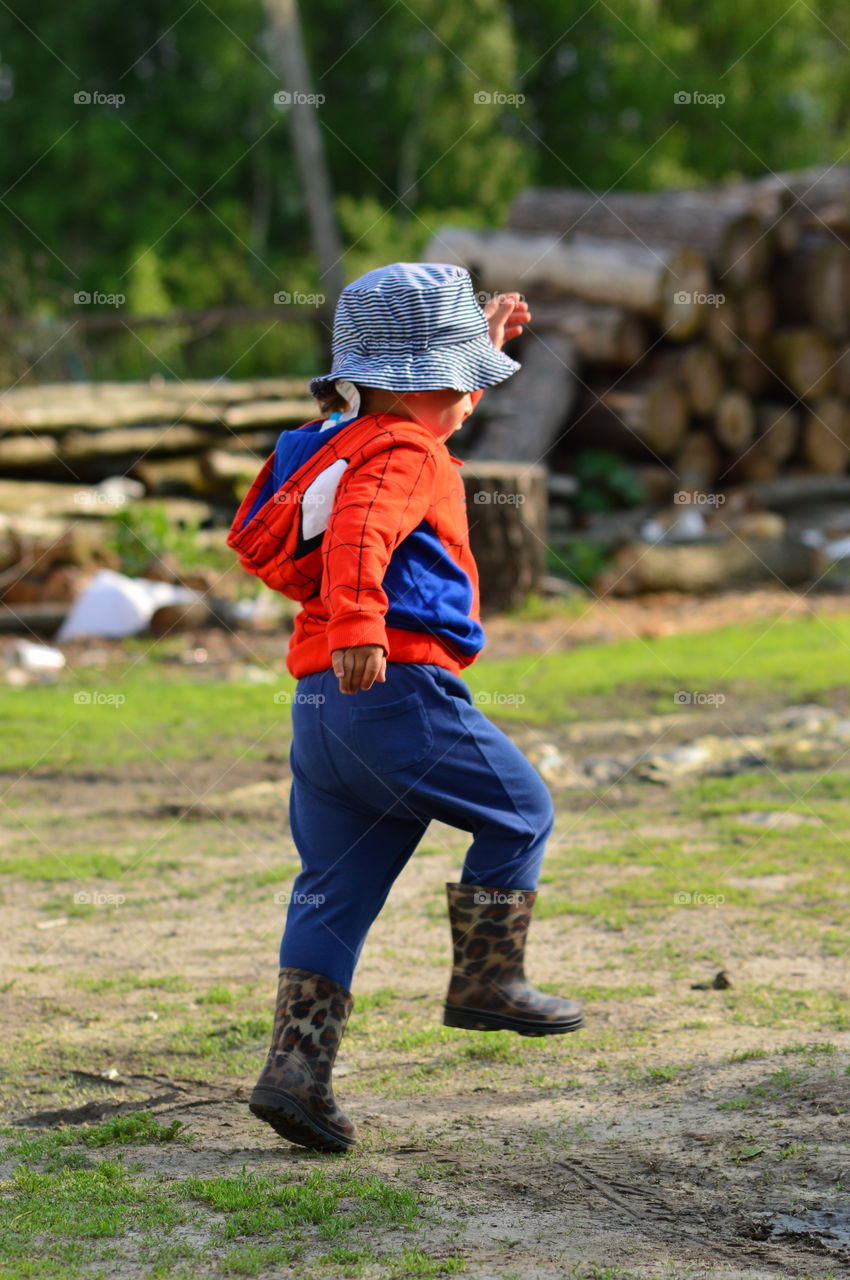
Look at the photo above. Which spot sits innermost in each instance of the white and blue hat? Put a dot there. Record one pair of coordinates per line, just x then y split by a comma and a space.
413, 326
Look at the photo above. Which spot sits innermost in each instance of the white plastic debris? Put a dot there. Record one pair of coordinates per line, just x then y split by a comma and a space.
36, 658
114, 605
831, 549
837, 550
689, 524
652, 530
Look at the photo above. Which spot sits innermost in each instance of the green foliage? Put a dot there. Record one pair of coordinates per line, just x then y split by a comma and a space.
142, 532
402, 122
606, 482
187, 194
603, 88
578, 560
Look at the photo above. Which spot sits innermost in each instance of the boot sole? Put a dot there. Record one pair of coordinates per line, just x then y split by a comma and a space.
478, 1020
289, 1120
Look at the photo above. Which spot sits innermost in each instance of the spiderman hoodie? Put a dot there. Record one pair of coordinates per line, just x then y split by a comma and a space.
364, 522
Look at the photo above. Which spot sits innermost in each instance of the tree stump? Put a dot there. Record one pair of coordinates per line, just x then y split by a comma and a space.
506, 505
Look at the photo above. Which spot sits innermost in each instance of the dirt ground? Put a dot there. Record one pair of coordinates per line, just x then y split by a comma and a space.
655, 1142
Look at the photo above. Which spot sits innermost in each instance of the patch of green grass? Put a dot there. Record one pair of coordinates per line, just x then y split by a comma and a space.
783, 1006
345, 1259
655, 1075
255, 1205
802, 658
379, 999
216, 1040
495, 1046
239, 882
421, 1266
793, 1149
69, 864
812, 1051
138, 1126
779, 1086
748, 1055
165, 716
218, 995
253, 1260
241, 1225
599, 994
124, 982
540, 608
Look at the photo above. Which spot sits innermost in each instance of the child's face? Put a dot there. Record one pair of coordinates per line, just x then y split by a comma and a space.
440, 412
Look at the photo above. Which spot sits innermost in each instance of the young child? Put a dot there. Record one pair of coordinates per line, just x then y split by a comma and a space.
362, 517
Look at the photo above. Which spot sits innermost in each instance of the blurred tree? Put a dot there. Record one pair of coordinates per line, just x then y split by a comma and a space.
188, 163
404, 111
187, 191
603, 82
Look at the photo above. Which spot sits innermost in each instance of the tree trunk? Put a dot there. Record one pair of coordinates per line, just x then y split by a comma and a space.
602, 335
756, 313
164, 476
176, 438
255, 412
670, 285
641, 418
313, 169
842, 373
805, 360
722, 325
813, 284
826, 436
733, 239
55, 407
778, 429
27, 451
703, 376
708, 566
507, 513
735, 421
798, 493
754, 464
525, 415
698, 461
750, 369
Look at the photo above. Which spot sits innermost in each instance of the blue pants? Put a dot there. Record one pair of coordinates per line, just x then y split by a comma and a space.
369, 772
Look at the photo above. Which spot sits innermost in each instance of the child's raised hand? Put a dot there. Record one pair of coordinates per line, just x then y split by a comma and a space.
506, 314
359, 667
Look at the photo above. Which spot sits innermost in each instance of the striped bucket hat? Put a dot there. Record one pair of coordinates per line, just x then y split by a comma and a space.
413, 326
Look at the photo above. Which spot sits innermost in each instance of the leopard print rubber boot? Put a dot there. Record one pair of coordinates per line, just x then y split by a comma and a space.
489, 990
294, 1092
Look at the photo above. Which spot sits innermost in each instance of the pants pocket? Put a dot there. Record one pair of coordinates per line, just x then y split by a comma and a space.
392, 735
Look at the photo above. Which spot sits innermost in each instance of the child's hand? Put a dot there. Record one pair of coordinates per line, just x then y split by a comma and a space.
506, 316
359, 667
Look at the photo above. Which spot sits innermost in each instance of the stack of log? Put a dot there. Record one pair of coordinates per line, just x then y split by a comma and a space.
205, 440
703, 334
73, 453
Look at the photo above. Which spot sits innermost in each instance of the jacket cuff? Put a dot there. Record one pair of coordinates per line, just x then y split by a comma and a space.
363, 629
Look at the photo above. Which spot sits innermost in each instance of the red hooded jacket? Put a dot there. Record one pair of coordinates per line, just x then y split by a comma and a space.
365, 523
